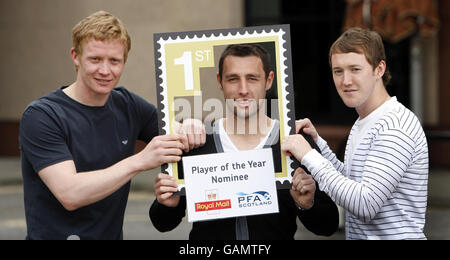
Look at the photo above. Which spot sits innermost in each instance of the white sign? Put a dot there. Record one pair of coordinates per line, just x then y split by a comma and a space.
225, 185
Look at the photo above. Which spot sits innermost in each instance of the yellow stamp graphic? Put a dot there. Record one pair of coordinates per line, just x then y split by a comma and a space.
191, 84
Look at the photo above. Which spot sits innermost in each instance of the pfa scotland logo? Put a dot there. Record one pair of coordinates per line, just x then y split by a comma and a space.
255, 199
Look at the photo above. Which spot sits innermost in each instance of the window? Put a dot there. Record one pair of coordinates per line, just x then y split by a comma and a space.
315, 25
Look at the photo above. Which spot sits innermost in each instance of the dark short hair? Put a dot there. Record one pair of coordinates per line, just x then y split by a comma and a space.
245, 50
365, 42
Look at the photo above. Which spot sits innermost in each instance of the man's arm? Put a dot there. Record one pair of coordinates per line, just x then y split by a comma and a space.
383, 169
168, 210
195, 131
323, 218
303, 189
75, 190
308, 128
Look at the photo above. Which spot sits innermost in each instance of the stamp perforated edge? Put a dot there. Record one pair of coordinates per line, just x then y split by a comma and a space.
283, 34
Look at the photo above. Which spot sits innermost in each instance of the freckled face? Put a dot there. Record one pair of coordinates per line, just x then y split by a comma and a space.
100, 65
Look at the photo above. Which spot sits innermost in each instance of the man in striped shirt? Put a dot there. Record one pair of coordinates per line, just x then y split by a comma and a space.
383, 181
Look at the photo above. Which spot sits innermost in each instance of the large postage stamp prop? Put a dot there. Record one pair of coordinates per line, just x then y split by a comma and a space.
186, 65
230, 185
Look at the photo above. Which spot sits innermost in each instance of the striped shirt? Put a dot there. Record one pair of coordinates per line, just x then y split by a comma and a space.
383, 188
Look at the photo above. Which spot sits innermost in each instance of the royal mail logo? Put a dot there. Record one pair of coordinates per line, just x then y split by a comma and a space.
213, 205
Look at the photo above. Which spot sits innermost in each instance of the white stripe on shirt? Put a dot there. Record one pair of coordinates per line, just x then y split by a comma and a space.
384, 187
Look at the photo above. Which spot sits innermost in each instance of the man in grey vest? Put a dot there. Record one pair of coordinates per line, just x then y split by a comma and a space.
244, 77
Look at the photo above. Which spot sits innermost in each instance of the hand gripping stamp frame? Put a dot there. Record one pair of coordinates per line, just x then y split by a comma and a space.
182, 57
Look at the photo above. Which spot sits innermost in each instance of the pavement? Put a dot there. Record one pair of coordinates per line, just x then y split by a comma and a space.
137, 225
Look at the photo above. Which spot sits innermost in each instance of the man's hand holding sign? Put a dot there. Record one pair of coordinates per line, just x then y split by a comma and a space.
240, 181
